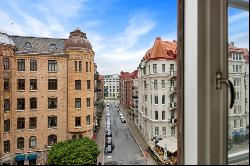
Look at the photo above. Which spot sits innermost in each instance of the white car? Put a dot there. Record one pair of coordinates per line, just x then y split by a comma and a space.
123, 119
120, 114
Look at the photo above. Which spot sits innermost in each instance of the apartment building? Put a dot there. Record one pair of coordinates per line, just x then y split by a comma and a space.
46, 93
156, 88
238, 117
125, 84
111, 86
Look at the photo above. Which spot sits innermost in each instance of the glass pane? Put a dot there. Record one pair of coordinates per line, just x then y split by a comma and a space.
238, 63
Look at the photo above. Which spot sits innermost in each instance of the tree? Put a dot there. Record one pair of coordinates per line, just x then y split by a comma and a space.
74, 152
100, 105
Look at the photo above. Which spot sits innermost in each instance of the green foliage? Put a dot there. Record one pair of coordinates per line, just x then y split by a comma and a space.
100, 104
74, 152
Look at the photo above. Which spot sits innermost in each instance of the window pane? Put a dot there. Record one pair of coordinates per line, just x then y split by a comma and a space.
238, 67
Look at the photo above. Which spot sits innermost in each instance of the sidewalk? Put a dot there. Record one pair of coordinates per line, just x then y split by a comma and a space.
138, 137
100, 140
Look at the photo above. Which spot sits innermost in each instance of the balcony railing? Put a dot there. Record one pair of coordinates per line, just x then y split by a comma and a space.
135, 97
172, 106
173, 121
172, 90
172, 74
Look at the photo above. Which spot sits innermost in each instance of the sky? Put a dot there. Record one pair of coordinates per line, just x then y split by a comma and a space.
120, 31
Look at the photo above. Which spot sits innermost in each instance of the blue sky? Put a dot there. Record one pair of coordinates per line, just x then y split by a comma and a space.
120, 31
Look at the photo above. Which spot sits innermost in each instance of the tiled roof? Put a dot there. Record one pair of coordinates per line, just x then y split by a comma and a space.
232, 48
134, 74
38, 45
161, 50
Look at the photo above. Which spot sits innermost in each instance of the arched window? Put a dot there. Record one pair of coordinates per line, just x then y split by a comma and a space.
20, 143
52, 139
155, 84
32, 142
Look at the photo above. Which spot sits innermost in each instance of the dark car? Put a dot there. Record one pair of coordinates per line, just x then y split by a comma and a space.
109, 133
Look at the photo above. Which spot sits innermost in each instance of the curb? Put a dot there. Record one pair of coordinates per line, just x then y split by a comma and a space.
134, 136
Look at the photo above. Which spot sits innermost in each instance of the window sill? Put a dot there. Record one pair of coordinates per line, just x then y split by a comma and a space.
53, 90
33, 109
52, 109
6, 132
52, 127
33, 129
20, 110
78, 127
78, 108
33, 90
20, 129
21, 90
89, 125
52, 71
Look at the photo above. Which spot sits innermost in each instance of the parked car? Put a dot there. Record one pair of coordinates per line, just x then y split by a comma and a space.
109, 133
107, 104
120, 114
123, 119
109, 140
108, 149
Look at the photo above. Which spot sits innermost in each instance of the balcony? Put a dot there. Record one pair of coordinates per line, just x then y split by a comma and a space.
172, 90
172, 106
172, 121
172, 74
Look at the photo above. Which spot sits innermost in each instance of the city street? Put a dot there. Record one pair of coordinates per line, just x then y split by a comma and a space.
126, 151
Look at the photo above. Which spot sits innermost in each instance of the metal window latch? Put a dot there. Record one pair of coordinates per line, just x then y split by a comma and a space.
220, 80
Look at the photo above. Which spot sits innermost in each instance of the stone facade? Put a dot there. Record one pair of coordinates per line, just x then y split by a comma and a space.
111, 86
63, 60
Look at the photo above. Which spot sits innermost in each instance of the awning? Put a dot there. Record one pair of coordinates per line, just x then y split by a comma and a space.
169, 143
32, 156
20, 157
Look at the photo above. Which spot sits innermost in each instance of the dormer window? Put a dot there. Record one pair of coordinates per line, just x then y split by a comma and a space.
52, 47
28, 46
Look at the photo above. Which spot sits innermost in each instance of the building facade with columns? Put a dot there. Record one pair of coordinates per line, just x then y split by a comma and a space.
111, 86
47, 94
156, 90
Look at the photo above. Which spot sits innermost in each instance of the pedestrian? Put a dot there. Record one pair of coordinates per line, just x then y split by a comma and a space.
99, 163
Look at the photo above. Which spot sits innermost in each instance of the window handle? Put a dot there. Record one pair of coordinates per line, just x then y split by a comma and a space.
220, 80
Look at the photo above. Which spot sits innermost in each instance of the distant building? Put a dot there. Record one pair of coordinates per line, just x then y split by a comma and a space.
238, 116
46, 94
111, 86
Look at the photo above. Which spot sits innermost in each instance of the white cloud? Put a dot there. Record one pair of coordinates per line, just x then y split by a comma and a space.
238, 17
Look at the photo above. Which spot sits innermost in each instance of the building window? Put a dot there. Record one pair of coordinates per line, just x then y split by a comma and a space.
7, 125
163, 83
156, 130
52, 84
156, 115
163, 68
235, 109
21, 84
241, 123
155, 84
33, 84
20, 143
52, 139
32, 123
154, 68
146, 112
52, 103
88, 84
90, 66
172, 114
77, 102
6, 106
163, 99
32, 142
88, 120
6, 146
235, 123
75, 65
171, 67
88, 102
33, 103
52, 121
146, 98
172, 130
21, 65
6, 63
6, 84
163, 115
145, 84
21, 104
52, 65
156, 99
148, 69
33, 65
87, 67
20, 123
77, 121
164, 131
144, 71
80, 65
77, 84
